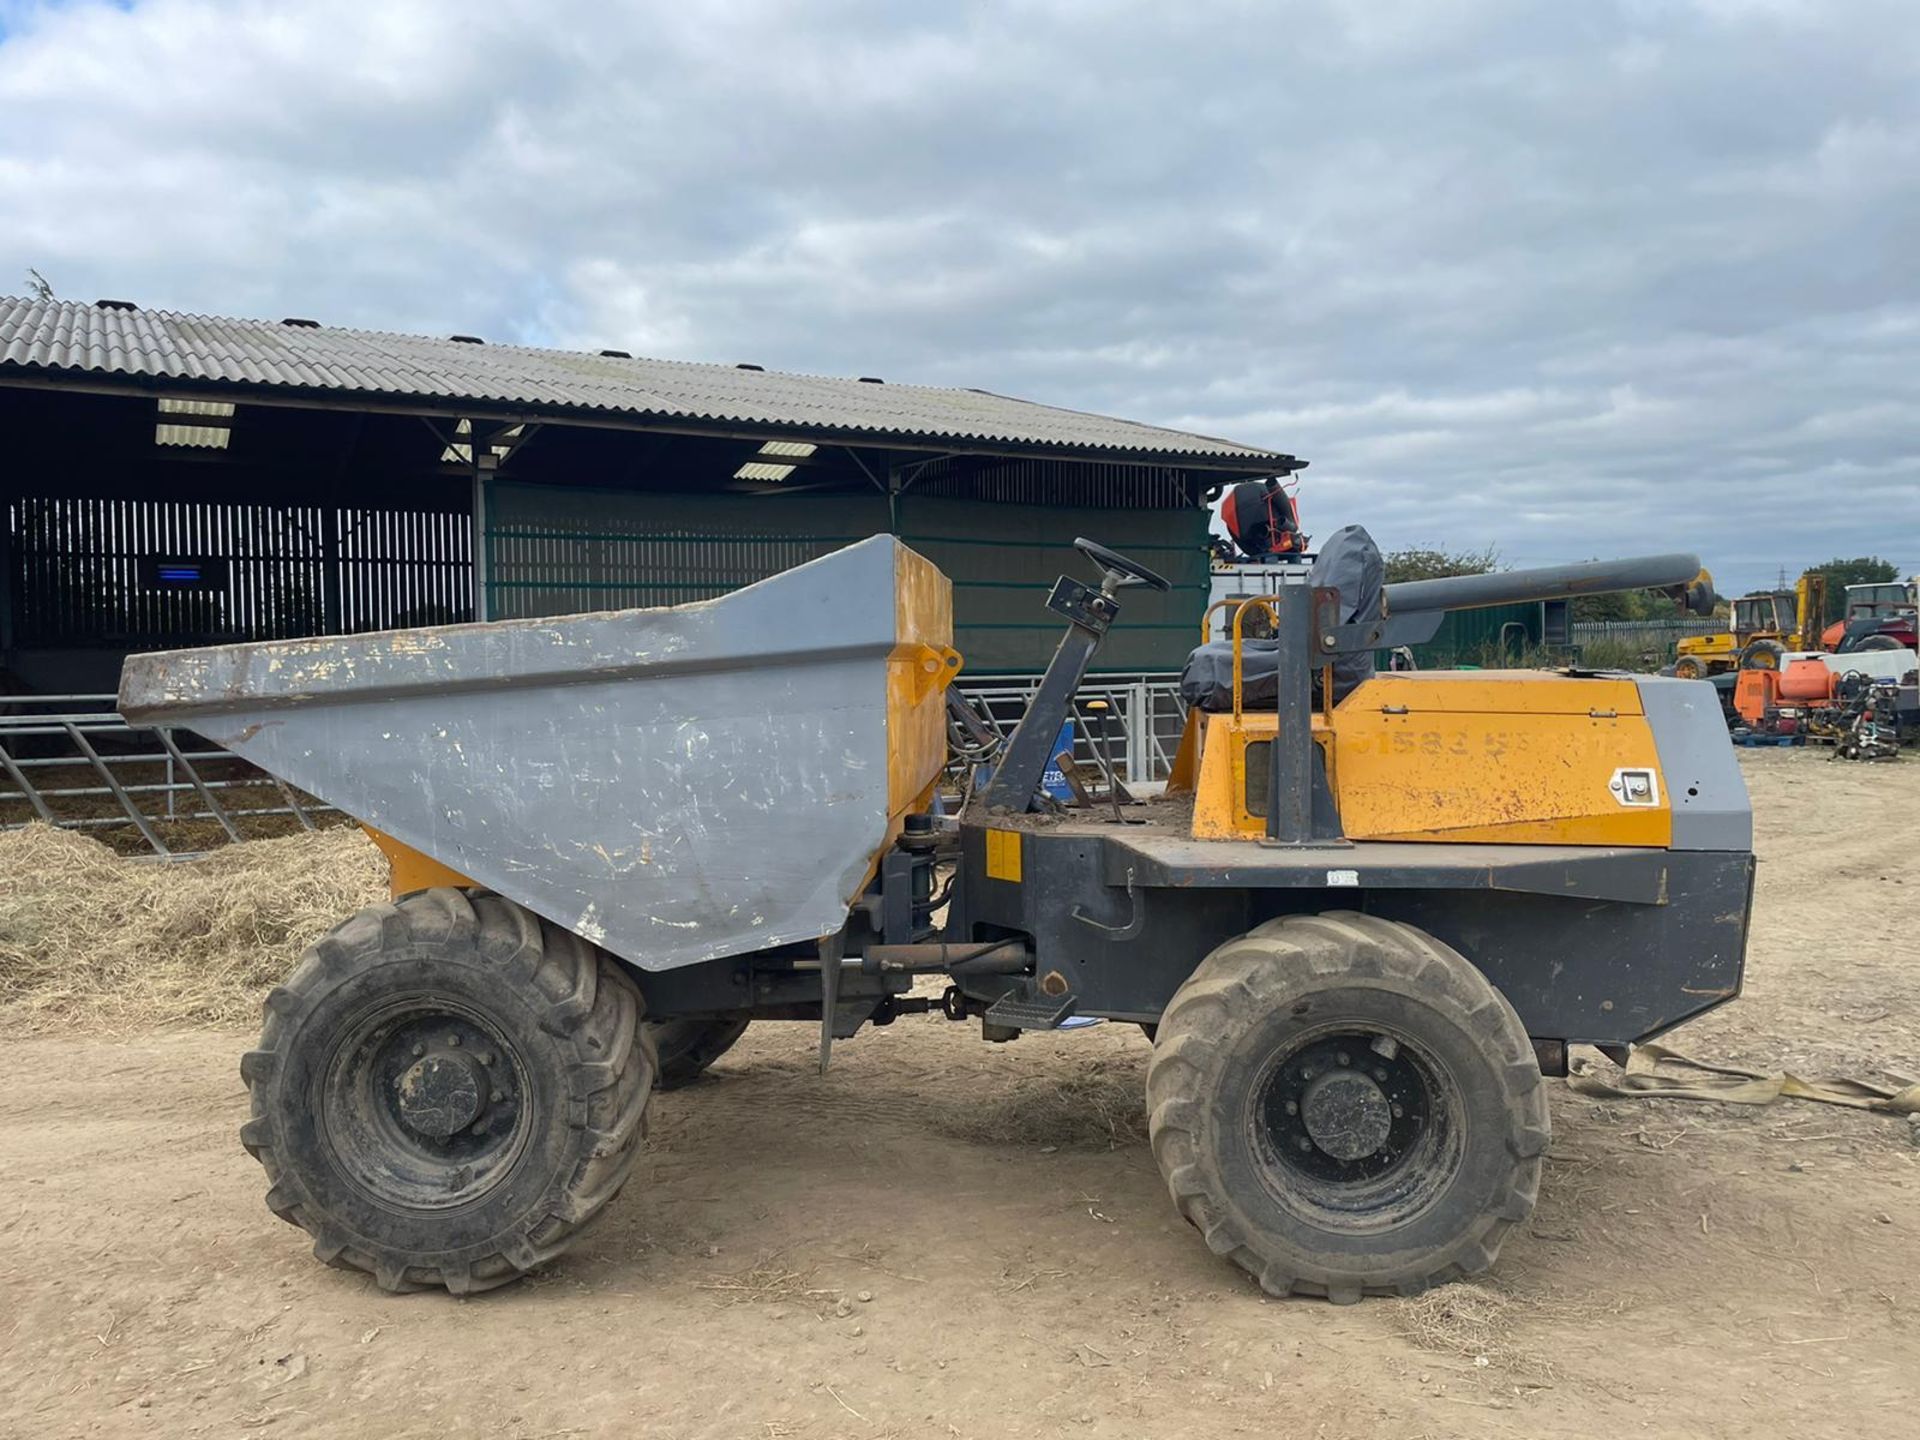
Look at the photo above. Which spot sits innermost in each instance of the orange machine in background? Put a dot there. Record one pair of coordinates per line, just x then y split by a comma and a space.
1781, 701
1867, 716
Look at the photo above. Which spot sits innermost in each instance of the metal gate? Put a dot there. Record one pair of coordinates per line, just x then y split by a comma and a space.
1138, 729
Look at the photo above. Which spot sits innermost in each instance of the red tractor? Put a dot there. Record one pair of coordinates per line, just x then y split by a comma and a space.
1879, 617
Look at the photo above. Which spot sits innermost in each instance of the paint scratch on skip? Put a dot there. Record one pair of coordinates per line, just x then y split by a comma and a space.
587, 927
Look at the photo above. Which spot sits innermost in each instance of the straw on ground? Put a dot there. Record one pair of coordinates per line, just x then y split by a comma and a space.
89, 937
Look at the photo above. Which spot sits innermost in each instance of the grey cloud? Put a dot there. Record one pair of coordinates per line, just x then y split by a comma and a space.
1566, 278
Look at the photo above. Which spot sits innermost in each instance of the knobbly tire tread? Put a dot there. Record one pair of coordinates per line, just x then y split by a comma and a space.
1242, 980
587, 1003
683, 1063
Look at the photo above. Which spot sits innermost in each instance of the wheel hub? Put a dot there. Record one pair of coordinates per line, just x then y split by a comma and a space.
1344, 1108
427, 1103
1346, 1114
441, 1094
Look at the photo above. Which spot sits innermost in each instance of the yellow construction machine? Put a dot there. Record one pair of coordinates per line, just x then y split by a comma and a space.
1766, 624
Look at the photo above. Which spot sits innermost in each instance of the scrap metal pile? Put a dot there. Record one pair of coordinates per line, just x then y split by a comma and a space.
1868, 717
1854, 685
1866, 705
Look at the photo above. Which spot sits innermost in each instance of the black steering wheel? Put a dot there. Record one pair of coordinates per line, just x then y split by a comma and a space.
1131, 572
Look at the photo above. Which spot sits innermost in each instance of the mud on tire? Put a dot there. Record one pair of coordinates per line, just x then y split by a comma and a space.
1431, 1114
447, 1091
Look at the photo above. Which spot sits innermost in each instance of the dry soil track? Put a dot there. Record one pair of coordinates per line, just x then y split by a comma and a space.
944, 1238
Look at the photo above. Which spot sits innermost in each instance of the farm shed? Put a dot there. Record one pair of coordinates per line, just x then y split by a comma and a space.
173, 480
1497, 635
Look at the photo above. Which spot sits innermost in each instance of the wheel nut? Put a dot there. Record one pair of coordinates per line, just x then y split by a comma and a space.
1399, 1112
418, 1051
1304, 1143
1306, 1072
1293, 1107
498, 1096
486, 1057
1343, 1058
479, 1129
453, 1039
1380, 1075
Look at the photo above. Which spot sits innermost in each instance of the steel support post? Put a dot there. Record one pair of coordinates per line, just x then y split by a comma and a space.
1290, 768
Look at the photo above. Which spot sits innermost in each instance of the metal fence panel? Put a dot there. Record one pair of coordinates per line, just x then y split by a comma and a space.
1139, 731
72, 761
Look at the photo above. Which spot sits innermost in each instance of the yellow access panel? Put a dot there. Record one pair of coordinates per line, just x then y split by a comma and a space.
1515, 757
922, 664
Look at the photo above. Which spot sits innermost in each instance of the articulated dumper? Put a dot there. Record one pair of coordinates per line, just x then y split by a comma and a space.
1369, 914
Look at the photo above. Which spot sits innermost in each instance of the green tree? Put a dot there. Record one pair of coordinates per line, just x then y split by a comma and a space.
1420, 563
1624, 605
1866, 570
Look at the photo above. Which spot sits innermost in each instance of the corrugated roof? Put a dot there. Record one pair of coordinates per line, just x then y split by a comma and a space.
68, 338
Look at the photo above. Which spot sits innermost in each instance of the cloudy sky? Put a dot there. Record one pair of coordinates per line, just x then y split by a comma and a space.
1570, 278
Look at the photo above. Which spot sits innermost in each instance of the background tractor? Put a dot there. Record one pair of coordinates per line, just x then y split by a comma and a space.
1878, 616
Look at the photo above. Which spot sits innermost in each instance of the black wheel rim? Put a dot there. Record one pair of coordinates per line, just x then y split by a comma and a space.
424, 1105
1356, 1129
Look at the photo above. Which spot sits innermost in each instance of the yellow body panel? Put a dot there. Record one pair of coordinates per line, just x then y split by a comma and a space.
921, 665
919, 670
1512, 757
1004, 855
408, 870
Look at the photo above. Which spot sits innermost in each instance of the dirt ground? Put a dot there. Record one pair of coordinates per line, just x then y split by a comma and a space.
944, 1238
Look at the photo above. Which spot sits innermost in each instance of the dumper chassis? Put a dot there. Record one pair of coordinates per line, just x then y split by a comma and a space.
1360, 931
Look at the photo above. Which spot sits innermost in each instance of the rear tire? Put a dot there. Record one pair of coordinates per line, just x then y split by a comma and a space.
448, 1090
1762, 655
688, 1047
1690, 667
1342, 1105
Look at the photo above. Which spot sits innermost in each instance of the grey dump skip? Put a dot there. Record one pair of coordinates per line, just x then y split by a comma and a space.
675, 785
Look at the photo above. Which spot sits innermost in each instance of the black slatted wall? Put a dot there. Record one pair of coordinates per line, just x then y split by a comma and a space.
116, 572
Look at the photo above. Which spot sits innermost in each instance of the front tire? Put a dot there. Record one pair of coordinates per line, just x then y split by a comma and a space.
1342, 1105
448, 1090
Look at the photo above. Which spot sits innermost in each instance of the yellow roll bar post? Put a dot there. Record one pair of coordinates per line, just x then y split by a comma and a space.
1206, 620
1266, 602
1271, 606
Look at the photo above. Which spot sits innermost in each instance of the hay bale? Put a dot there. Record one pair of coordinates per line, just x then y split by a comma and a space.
89, 937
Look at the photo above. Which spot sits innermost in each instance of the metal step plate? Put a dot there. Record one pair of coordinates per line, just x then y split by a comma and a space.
1016, 1011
